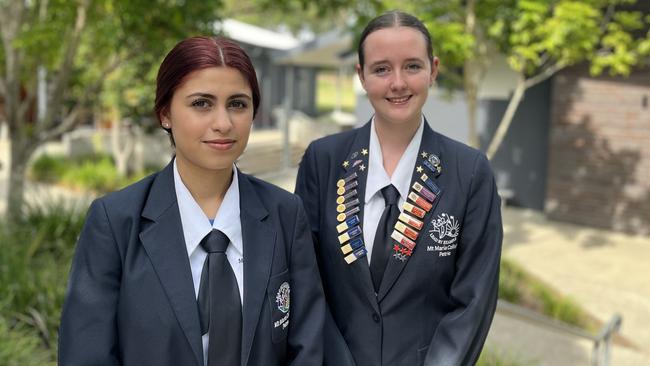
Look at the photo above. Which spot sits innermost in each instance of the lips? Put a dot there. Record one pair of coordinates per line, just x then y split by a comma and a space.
220, 144
399, 100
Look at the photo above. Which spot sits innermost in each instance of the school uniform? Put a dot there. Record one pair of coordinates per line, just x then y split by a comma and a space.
438, 292
132, 293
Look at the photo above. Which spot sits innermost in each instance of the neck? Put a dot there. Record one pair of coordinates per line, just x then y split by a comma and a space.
207, 187
394, 139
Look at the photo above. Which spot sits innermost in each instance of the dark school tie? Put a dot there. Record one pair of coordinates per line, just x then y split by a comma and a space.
219, 303
382, 243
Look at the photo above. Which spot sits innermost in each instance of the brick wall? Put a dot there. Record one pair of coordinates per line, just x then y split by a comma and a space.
599, 151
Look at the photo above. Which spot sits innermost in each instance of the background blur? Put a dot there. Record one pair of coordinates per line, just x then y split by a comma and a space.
554, 92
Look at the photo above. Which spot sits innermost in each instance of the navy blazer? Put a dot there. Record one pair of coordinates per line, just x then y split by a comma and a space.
436, 302
131, 299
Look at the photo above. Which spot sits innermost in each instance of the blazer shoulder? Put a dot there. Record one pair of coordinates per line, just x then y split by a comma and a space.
131, 197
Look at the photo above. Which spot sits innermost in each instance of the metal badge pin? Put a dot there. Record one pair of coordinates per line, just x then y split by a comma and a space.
352, 221
413, 210
429, 183
341, 199
342, 216
424, 204
360, 252
417, 224
410, 233
402, 239
346, 206
341, 182
355, 231
427, 194
352, 245
341, 190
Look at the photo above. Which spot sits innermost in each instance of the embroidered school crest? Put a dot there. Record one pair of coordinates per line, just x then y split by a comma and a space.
445, 229
283, 297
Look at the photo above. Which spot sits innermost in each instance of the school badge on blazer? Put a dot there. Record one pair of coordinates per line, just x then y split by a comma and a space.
279, 294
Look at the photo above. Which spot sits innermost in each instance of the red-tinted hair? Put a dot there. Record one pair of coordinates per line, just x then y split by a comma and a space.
198, 53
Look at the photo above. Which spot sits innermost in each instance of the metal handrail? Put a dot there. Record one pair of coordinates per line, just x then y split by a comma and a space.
600, 355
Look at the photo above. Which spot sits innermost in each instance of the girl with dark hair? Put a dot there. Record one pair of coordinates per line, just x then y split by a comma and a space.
406, 222
198, 264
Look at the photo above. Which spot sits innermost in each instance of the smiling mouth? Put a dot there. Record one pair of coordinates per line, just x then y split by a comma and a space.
220, 144
399, 100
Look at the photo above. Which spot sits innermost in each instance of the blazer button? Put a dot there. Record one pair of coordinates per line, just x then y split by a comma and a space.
375, 317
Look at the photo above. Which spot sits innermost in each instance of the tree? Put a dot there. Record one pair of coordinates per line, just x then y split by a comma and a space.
538, 37
67, 49
542, 37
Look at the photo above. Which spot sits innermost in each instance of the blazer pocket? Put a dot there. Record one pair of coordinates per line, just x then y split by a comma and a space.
279, 294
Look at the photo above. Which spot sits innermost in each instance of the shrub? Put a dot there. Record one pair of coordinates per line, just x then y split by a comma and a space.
47, 168
36, 255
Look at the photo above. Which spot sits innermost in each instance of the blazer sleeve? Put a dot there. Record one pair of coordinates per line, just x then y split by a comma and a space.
308, 189
305, 340
460, 335
88, 331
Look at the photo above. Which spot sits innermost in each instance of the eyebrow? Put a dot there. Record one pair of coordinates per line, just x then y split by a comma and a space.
212, 97
380, 62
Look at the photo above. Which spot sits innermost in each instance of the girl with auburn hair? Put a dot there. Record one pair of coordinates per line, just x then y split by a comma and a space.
199, 263
406, 221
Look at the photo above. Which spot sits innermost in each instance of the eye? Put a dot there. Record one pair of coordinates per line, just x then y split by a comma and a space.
413, 67
201, 103
238, 104
380, 70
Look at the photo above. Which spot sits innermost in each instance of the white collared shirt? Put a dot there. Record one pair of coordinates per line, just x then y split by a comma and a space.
196, 225
378, 178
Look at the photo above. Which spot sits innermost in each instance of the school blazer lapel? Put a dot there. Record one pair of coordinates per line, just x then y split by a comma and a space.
259, 244
356, 162
428, 145
163, 240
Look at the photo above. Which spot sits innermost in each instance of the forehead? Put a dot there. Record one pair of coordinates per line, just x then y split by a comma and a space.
213, 79
394, 44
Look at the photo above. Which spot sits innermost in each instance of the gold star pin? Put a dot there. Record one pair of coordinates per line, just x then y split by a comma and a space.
362, 167
364, 151
346, 164
419, 169
424, 154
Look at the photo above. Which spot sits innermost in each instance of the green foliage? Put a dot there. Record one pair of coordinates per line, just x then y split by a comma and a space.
47, 169
519, 287
21, 347
99, 176
95, 173
36, 255
495, 357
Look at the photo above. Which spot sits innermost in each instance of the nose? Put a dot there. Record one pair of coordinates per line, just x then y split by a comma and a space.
398, 82
221, 120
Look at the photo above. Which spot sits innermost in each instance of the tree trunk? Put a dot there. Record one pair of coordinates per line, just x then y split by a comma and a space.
122, 143
20, 154
507, 118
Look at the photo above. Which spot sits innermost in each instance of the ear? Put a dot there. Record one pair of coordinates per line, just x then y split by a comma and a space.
165, 121
359, 70
434, 70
